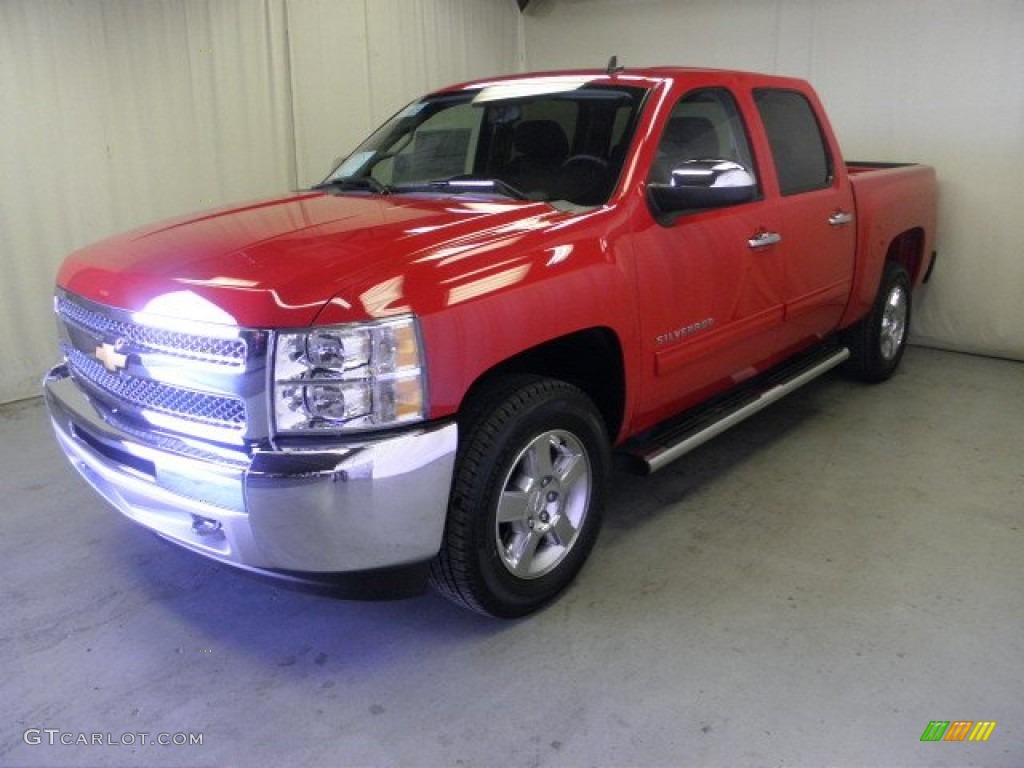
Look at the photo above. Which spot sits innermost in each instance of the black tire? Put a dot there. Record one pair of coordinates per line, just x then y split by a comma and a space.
536, 450
877, 342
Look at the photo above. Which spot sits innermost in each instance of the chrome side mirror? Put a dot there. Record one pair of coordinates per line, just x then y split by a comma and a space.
699, 184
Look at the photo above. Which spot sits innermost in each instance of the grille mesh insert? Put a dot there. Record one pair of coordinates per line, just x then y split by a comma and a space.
208, 349
187, 404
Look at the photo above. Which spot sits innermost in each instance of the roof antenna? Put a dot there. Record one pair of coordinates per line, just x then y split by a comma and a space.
613, 66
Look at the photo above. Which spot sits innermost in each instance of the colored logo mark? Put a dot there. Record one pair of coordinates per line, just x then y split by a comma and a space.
958, 730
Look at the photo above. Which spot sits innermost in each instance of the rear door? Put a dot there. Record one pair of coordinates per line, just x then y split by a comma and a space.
816, 211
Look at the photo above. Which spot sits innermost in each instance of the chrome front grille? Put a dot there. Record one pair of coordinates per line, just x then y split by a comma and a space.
199, 380
199, 407
207, 349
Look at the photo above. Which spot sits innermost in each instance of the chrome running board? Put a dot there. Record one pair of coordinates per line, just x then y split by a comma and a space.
677, 437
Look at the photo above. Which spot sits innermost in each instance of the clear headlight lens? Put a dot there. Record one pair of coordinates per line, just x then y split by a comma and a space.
349, 377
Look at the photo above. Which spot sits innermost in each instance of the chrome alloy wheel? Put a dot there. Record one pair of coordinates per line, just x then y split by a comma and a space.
543, 504
894, 323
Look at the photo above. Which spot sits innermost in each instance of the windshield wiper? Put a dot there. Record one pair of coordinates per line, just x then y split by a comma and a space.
454, 185
355, 182
460, 185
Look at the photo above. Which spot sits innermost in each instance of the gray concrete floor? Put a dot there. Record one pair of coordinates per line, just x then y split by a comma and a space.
810, 589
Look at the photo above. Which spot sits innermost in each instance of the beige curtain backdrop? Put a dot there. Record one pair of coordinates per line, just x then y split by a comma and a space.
357, 62
118, 113
115, 113
932, 81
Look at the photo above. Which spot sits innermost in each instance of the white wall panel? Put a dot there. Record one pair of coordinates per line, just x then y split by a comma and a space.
934, 81
114, 113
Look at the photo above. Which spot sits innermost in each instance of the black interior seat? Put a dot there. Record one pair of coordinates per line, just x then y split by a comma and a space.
541, 147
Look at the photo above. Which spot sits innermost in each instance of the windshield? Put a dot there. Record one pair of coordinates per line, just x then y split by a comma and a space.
561, 142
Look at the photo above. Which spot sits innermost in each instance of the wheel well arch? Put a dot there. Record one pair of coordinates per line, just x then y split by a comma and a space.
907, 248
590, 359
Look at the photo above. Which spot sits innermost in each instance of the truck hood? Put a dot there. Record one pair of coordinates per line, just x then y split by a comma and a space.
276, 263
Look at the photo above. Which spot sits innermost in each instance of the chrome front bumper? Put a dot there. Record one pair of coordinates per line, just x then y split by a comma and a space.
347, 508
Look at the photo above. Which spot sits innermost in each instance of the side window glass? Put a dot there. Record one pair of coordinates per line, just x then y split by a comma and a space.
704, 125
801, 157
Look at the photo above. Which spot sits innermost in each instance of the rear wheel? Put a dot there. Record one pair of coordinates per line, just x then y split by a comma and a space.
527, 499
877, 342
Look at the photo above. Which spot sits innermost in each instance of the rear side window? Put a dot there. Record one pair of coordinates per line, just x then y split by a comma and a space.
801, 156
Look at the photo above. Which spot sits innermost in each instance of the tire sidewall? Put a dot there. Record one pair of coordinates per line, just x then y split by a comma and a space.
865, 338
563, 408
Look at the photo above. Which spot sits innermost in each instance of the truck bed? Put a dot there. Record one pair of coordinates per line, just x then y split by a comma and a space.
854, 167
895, 204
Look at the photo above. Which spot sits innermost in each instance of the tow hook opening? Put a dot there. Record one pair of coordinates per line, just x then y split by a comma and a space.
206, 526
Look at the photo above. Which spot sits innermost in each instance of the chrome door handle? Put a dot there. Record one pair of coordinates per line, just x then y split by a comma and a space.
764, 239
839, 218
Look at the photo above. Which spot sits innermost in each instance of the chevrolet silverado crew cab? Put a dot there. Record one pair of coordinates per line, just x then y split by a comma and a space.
423, 367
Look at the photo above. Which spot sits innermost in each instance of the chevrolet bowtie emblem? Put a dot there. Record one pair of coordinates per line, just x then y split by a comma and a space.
112, 360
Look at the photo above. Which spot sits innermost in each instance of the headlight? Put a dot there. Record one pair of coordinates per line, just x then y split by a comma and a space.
349, 377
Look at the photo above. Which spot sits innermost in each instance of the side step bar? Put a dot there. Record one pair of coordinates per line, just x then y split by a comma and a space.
677, 437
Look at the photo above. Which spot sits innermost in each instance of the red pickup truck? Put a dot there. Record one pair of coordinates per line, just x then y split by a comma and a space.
422, 367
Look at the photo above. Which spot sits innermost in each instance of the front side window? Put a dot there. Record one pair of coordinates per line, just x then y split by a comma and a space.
563, 144
802, 159
703, 125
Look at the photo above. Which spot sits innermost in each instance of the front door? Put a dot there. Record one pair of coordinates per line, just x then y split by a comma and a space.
709, 281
